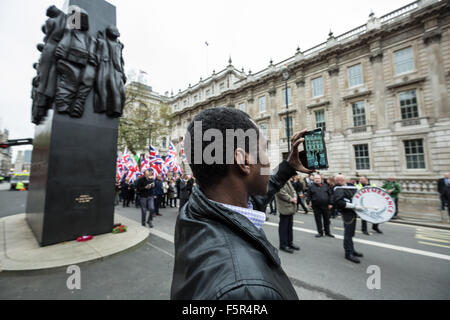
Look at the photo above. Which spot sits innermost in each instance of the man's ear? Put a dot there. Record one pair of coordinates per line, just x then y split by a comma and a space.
241, 160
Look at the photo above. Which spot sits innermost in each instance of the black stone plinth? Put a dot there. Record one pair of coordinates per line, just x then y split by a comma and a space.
72, 181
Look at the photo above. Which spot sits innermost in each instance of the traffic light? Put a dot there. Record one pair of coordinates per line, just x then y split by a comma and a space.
13, 143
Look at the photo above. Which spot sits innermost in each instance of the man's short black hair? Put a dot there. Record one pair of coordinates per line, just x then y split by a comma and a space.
219, 118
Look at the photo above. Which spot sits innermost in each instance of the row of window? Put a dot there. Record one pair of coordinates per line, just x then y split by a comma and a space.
408, 108
407, 100
197, 97
403, 63
414, 153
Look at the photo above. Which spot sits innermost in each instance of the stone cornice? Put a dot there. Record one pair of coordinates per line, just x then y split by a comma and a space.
376, 56
433, 36
262, 118
357, 95
284, 112
317, 105
300, 82
406, 83
333, 71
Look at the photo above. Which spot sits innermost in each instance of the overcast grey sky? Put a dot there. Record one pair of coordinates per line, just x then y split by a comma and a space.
167, 38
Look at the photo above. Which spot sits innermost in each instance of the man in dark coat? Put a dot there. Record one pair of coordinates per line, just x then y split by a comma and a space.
177, 184
446, 196
145, 186
221, 252
158, 193
320, 196
442, 183
343, 195
185, 190
127, 192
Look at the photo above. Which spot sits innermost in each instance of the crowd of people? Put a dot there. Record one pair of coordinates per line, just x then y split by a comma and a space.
150, 193
312, 193
315, 193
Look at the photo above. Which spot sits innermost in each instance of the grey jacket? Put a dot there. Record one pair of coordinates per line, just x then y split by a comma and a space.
284, 198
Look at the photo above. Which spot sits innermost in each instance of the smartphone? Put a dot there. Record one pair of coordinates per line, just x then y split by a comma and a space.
315, 150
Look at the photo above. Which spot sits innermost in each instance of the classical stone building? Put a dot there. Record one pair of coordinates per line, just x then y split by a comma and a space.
381, 91
141, 97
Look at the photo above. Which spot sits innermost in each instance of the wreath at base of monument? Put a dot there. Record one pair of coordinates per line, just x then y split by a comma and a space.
120, 229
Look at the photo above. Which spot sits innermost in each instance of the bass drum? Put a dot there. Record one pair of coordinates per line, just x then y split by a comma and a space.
374, 205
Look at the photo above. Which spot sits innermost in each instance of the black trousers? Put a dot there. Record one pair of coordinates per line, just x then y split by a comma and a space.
138, 200
273, 206
349, 232
443, 202
182, 203
157, 204
321, 212
285, 230
126, 200
162, 201
396, 206
364, 226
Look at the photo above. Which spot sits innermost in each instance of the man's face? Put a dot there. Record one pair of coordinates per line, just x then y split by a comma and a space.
447, 175
317, 179
363, 180
391, 179
147, 174
340, 180
259, 177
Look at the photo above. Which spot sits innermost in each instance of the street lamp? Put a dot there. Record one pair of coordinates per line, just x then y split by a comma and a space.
285, 75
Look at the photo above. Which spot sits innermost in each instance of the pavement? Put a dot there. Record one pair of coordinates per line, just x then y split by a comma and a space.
20, 251
413, 263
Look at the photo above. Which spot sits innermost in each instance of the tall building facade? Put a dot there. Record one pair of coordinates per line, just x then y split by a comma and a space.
380, 91
141, 97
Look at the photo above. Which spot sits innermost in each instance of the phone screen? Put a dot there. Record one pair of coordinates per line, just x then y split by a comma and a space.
316, 154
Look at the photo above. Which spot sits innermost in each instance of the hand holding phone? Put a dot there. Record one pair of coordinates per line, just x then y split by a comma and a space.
298, 160
315, 150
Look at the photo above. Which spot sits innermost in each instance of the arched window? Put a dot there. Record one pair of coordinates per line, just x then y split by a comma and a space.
164, 142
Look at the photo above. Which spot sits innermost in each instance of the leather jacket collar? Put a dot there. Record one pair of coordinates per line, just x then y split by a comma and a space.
199, 205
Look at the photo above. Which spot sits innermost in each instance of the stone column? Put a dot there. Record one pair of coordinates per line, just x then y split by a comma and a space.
432, 40
300, 99
379, 88
336, 106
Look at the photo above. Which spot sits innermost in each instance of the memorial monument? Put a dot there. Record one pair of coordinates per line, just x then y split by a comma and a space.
78, 95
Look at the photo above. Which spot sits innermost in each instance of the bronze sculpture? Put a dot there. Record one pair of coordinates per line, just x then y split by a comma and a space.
72, 63
110, 88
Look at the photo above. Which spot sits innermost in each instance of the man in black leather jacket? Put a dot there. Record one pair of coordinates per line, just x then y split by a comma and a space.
221, 252
343, 195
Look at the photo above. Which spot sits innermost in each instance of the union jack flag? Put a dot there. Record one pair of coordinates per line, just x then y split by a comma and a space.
156, 162
182, 153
